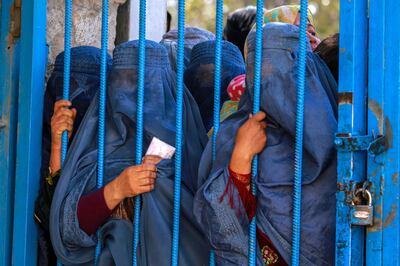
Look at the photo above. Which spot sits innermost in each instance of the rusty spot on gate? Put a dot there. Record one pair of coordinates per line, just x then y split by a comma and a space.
391, 216
341, 186
395, 178
374, 172
377, 110
345, 98
378, 210
389, 134
377, 220
15, 19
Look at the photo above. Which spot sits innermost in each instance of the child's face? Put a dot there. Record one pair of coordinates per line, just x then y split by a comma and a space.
311, 32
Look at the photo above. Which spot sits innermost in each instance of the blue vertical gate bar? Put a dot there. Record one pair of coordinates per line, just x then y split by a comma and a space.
352, 120
383, 239
217, 72
102, 104
217, 85
376, 118
66, 74
178, 139
67, 69
139, 118
256, 108
9, 56
390, 212
298, 159
33, 60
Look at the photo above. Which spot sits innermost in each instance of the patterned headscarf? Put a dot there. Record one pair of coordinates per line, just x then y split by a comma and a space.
285, 14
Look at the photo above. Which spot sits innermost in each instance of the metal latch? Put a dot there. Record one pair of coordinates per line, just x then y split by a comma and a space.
347, 143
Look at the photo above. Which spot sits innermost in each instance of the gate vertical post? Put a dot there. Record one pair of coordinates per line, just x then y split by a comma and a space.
352, 120
382, 246
30, 104
9, 58
376, 86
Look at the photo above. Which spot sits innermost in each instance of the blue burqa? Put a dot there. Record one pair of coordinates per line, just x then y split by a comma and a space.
226, 228
72, 245
192, 37
199, 75
84, 84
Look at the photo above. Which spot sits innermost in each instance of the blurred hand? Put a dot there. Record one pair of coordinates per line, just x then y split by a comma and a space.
251, 139
62, 119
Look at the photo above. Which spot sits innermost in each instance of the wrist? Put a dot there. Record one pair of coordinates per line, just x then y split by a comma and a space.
55, 161
56, 147
242, 155
117, 191
241, 162
112, 194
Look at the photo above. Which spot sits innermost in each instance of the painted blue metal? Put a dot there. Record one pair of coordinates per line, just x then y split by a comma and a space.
66, 75
33, 61
382, 246
102, 105
212, 258
256, 109
352, 121
9, 68
375, 145
298, 159
375, 171
67, 69
217, 72
139, 117
217, 85
179, 135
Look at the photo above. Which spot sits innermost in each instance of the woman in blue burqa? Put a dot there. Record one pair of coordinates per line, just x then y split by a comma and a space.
84, 84
193, 36
79, 209
224, 204
199, 75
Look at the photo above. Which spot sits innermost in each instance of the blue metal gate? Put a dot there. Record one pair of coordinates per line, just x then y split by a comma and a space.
382, 239
369, 94
23, 61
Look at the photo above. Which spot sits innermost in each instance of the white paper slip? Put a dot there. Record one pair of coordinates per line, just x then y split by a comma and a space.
159, 148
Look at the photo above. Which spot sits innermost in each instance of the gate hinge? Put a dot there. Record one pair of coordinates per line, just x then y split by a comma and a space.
347, 143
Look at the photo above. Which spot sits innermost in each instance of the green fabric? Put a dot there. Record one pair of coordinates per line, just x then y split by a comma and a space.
227, 109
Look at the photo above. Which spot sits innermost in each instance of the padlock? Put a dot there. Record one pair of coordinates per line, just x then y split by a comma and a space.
362, 215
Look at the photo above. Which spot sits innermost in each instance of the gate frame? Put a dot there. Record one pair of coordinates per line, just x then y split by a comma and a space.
351, 122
